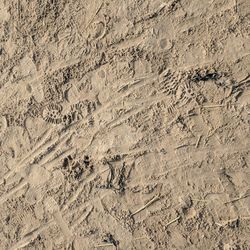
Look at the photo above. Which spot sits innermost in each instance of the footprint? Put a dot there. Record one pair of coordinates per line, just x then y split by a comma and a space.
34, 108
52, 113
35, 194
10, 120
164, 43
98, 30
72, 117
57, 180
52, 207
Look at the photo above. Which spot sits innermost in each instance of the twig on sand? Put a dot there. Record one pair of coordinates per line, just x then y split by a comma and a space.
141, 238
92, 18
182, 146
237, 199
236, 6
194, 199
198, 142
225, 223
213, 106
109, 242
172, 221
157, 197
18, 9
218, 224
104, 245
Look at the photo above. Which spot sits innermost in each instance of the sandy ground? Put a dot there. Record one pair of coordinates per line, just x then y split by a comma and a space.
124, 124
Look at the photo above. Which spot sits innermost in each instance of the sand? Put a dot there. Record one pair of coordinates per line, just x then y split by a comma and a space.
124, 124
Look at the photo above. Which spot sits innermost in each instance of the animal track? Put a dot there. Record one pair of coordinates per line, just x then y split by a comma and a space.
74, 169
